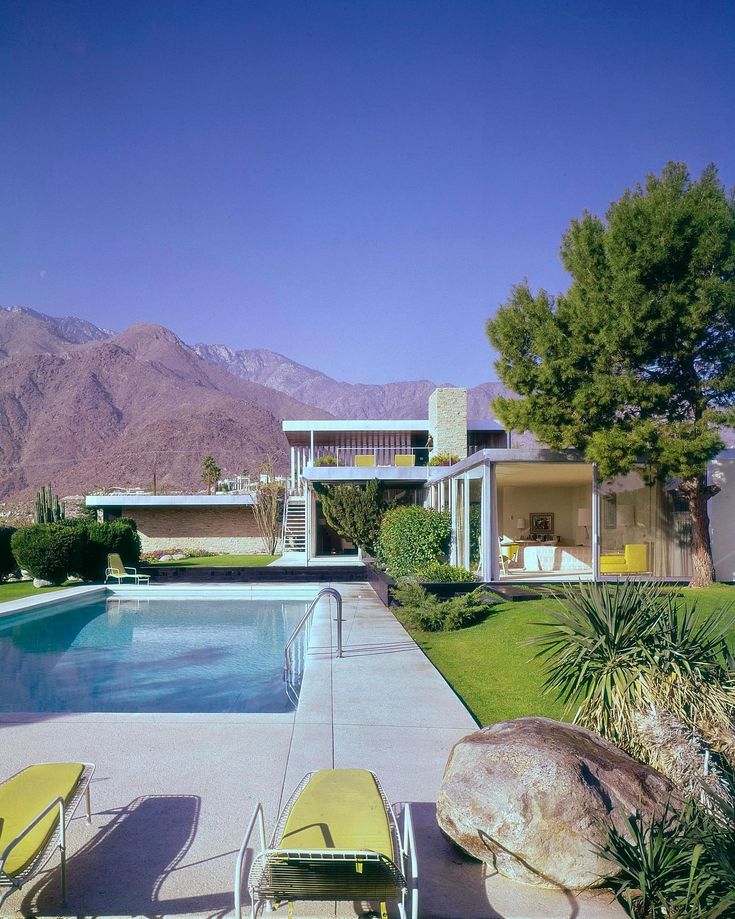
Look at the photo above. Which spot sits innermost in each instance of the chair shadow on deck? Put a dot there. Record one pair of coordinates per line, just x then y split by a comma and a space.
123, 866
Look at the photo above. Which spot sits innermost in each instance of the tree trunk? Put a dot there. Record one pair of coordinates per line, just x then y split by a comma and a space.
698, 493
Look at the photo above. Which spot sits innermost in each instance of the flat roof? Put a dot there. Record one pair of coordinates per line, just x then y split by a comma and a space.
406, 424
398, 474
168, 500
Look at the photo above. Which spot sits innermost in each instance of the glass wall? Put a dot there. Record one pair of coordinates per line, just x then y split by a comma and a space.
644, 529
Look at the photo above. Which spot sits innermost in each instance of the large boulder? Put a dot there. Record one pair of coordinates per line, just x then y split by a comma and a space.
531, 798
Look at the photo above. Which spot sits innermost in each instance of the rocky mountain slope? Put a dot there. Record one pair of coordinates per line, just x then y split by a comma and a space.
406, 399
106, 411
83, 407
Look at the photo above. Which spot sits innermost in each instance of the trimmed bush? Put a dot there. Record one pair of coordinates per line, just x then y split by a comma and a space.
354, 511
8, 563
51, 551
412, 537
428, 613
119, 536
442, 573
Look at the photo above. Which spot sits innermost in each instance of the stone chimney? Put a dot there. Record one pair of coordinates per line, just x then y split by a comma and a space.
448, 421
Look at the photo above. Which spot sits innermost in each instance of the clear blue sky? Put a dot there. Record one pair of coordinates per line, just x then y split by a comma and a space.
358, 184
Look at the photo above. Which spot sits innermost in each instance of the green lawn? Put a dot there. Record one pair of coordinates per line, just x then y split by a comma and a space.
17, 589
219, 561
493, 671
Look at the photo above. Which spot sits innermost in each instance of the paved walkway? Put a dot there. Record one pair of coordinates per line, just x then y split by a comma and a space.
172, 793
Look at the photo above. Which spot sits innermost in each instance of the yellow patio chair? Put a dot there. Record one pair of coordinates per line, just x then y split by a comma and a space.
404, 459
337, 838
365, 459
36, 805
508, 553
118, 572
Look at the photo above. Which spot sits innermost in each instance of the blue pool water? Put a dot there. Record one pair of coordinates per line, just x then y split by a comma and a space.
158, 655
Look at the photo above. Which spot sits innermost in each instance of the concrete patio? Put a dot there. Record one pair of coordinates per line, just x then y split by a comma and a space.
172, 793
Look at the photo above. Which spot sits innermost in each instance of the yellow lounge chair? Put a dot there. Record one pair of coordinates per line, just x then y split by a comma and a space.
404, 459
336, 839
117, 571
365, 459
36, 805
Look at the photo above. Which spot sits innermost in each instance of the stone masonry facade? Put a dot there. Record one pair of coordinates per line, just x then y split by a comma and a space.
230, 530
448, 421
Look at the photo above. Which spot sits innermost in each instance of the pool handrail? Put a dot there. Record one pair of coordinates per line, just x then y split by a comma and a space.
305, 622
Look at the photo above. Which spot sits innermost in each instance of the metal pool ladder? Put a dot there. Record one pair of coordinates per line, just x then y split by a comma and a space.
295, 652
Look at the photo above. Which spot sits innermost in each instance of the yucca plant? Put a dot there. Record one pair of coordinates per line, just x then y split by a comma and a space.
627, 651
667, 868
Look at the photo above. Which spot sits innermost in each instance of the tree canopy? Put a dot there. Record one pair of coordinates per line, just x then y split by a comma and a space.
637, 358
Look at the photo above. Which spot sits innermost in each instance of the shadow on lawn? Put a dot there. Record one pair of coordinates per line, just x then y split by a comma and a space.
122, 868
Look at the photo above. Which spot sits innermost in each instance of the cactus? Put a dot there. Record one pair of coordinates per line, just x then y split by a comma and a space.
48, 508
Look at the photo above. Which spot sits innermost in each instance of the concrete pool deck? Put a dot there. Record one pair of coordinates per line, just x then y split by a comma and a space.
172, 793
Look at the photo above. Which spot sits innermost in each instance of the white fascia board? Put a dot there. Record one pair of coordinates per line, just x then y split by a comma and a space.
486, 457
333, 425
169, 500
486, 424
367, 473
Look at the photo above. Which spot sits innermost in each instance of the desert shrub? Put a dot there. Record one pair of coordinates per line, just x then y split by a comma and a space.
422, 610
50, 550
326, 459
8, 563
120, 535
412, 537
444, 573
354, 511
444, 459
646, 672
679, 864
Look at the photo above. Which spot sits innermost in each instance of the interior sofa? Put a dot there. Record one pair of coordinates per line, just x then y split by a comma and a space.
634, 560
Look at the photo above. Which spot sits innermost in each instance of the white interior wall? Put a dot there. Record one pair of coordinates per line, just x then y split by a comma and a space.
562, 501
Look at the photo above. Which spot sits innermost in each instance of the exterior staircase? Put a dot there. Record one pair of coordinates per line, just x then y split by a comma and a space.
294, 524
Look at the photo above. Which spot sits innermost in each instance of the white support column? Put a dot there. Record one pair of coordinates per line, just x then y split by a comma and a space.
293, 469
595, 524
453, 512
466, 512
311, 448
487, 512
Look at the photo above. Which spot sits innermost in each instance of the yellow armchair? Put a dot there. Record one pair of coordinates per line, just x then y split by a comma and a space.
633, 561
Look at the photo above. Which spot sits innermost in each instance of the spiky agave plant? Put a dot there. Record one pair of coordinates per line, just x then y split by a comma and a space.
667, 867
625, 649
596, 649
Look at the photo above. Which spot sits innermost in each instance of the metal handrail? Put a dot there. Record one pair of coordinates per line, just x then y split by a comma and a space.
305, 619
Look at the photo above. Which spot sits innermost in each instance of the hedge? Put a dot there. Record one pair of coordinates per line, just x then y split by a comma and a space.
77, 547
50, 551
413, 537
8, 563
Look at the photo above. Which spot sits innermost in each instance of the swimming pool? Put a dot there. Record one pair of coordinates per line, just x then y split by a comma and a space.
149, 654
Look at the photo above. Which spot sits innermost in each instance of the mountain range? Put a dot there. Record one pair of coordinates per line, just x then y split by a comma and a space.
87, 408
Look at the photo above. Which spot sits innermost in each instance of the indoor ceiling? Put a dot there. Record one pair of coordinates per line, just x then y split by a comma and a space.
536, 474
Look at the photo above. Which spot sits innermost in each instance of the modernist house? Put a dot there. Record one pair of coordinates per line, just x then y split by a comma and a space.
517, 514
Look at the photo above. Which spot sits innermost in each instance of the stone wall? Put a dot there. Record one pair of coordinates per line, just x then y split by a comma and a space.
216, 529
448, 421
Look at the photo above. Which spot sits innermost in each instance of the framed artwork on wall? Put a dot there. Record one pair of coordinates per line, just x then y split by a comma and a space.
542, 524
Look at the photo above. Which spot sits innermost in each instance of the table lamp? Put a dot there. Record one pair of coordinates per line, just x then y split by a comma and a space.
521, 525
584, 519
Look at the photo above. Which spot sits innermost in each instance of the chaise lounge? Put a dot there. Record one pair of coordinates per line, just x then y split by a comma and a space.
36, 805
118, 572
336, 839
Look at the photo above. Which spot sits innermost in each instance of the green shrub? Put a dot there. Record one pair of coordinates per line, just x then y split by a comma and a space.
475, 530
119, 536
8, 563
444, 459
412, 537
326, 459
423, 611
50, 550
443, 573
354, 511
